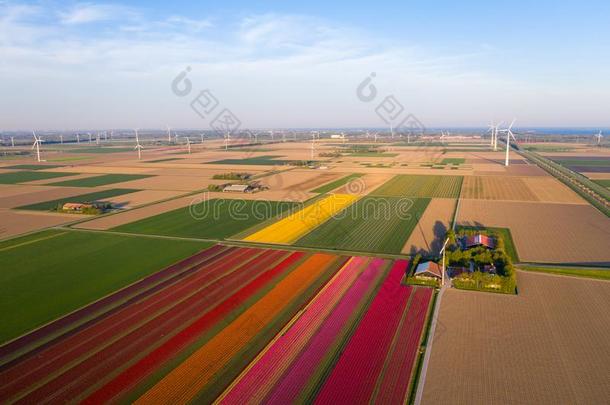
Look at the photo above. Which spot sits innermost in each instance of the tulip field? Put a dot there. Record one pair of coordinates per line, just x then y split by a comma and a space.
233, 325
294, 226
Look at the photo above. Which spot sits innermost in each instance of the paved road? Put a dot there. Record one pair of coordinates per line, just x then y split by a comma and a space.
424, 368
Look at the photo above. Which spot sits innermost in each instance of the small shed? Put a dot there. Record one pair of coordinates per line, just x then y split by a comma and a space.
428, 269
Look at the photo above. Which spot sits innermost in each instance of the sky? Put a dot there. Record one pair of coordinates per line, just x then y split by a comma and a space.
77, 65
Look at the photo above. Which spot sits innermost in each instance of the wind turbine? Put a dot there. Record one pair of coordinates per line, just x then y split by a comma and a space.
188, 144
111, 133
599, 137
77, 137
271, 132
97, 138
392, 130
492, 130
509, 134
201, 138
89, 137
106, 135
169, 134
61, 139
12, 141
227, 140
138, 146
36, 144
283, 136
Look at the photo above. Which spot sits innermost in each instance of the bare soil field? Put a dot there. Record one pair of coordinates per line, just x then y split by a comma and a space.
511, 188
549, 189
597, 176
546, 233
102, 169
132, 200
428, 235
496, 188
314, 182
36, 194
121, 218
365, 184
547, 345
14, 223
172, 183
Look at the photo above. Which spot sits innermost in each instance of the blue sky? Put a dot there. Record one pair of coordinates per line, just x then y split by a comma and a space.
71, 65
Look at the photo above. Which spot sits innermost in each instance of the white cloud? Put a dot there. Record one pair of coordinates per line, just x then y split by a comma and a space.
89, 12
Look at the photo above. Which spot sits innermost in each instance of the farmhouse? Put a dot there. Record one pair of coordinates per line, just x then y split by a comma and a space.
428, 270
76, 207
477, 240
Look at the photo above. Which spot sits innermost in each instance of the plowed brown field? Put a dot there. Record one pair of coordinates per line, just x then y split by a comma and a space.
549, 233
547, 345
430, 231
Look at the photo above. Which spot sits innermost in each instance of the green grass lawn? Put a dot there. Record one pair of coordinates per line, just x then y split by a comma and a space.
412, 185
601, 273
100, 180
31, 167
337, 183
213, 219
377, 225
81, 198
23, 177
51, 273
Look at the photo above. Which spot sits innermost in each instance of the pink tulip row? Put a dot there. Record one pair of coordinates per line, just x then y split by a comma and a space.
301, 372
394, 384
353, 379
269, 367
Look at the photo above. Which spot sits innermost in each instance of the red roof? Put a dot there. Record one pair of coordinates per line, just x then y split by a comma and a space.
479, 240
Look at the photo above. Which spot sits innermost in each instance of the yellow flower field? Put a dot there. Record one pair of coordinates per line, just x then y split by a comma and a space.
293, 227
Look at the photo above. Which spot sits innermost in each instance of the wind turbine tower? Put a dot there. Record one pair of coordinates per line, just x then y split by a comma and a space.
138, 146
509, 135
599, 137
36, 144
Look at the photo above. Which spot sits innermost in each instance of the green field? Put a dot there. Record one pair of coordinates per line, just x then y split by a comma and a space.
584, 162
337, 183
267, 160
602, 273
376, 225
603, 183
212, 219
408, 185
81, 198
162, 160
31, 167
23, 177
100, 180
453, 161
48, 274
98, 149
